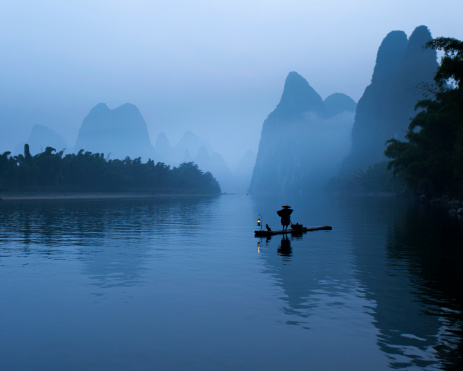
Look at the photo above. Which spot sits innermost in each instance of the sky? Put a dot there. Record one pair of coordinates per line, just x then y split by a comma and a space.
216, 68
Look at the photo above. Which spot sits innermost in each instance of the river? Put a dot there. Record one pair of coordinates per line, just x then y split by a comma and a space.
181, 283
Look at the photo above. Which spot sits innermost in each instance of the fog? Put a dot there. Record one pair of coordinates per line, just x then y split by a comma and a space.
214, 68
301, 155
328, 142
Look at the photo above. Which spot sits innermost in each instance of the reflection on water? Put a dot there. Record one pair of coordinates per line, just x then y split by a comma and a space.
285, 246
315, 277
425, 251
381, 290
100, 233
403, 260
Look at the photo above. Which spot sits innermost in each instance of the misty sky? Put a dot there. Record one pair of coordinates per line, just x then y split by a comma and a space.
214, 67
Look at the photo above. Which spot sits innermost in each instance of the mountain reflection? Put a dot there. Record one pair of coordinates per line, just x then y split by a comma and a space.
427, 244
113, 239
402, 253
399, 260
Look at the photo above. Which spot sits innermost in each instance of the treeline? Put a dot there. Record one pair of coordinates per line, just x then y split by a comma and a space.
430, 161
52, 171
376, 179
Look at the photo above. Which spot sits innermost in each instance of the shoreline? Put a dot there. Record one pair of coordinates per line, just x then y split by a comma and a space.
90, 196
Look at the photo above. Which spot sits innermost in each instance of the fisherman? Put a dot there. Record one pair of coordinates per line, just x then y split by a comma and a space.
285, 215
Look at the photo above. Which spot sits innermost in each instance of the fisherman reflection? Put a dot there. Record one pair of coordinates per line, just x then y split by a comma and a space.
285, 215
285, 247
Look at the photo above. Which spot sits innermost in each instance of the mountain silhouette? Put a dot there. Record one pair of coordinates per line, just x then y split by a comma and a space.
191, 148
298, 98
384, 111
303, 140
118, 132
40, 138
338, 103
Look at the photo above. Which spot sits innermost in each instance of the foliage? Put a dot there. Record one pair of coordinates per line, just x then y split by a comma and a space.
431, 160
376, 179
86, 171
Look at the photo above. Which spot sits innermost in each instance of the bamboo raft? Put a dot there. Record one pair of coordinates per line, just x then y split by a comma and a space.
263, 233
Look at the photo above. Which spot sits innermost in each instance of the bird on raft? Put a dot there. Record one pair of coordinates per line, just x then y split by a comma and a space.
268, 228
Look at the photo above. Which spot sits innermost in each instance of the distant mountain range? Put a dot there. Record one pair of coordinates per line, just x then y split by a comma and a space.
192, 148
305, 140
123, 132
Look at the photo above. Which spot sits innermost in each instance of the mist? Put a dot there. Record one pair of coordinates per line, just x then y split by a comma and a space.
213, 69
328, 141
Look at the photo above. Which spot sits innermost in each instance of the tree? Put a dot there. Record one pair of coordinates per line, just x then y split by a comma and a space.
87, 171
431, 160
451, 67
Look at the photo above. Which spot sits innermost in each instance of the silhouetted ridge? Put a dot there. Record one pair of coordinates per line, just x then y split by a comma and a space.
338, 103
419, 60
40, 138
298, 98
390, 55
300, 145
388, 103
98, 109
192, 148
163, 143
120, 132
416, 43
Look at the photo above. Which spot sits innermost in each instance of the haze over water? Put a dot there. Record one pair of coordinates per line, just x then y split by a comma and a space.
182, 283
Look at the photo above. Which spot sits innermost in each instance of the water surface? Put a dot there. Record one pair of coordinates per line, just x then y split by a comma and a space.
177, 283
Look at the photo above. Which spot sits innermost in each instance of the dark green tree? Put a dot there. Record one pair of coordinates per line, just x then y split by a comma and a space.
91, 172
430, 161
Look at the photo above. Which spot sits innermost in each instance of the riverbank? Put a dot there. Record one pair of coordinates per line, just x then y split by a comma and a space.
15, 196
